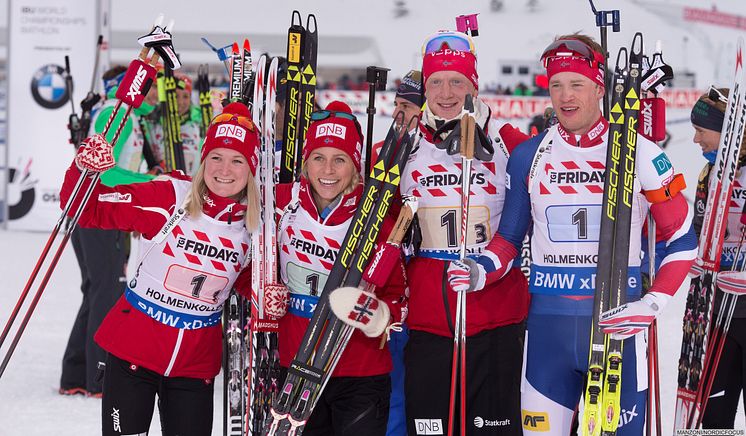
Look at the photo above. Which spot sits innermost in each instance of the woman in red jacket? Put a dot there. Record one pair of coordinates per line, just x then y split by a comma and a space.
317, 210
163, 336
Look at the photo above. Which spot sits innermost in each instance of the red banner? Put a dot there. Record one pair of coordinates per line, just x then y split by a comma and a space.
502, 106
715, 17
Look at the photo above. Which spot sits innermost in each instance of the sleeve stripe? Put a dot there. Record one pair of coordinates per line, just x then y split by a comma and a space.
687, 256
685, 226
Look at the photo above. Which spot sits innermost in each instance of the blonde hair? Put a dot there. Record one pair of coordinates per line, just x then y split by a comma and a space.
722, 106
251, 194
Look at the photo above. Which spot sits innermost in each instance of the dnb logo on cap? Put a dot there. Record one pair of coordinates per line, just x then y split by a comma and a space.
48, 87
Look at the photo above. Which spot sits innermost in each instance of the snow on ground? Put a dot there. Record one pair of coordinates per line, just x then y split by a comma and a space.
30, 405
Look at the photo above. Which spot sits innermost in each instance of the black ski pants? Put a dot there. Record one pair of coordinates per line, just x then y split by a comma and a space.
185, 404
102, 257
494, 360
350, 406
728, 385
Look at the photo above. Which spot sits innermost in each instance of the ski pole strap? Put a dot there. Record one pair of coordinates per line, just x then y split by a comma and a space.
667, 192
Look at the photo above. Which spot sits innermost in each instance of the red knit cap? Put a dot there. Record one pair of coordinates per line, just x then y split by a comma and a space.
335, 131
234, 129
463, 62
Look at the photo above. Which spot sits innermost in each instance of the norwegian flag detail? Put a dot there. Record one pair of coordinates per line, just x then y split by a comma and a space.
192, 259
363, 309
167, 250
308, 235
218, 265
202, 236
226, 242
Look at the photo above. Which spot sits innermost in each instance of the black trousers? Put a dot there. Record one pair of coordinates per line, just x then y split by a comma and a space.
351, 406
494, 360
728, 385
185, 404
102, 257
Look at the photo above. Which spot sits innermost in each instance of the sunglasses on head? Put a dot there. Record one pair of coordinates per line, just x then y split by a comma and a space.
241, 120
450, 40
324, 114
714, 94
570, 48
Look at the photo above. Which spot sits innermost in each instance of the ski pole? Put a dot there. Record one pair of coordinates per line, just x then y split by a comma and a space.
718, 336
602, 22
135, 85
654, 393
376, 78
458, 368
403, 221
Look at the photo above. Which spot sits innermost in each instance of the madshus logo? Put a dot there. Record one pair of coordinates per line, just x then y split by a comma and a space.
48, 87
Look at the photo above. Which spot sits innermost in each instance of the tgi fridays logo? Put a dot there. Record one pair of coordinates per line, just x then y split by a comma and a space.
208, 250
313, 249
449, 179
570, 177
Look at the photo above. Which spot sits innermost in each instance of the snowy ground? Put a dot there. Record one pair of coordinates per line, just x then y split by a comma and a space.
30, 405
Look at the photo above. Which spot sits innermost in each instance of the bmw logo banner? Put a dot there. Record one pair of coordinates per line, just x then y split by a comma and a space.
41, 34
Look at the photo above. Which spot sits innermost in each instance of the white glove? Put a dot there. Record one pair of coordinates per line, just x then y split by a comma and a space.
466, 275
360, 309
632, 318
275, 300
95, 154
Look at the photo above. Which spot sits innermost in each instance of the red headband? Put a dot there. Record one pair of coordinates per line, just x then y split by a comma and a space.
575, 64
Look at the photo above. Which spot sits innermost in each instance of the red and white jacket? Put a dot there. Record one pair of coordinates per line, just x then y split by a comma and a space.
168, 319
308, 246
433, 177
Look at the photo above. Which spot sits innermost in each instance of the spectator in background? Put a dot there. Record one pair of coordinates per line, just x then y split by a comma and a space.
102, 253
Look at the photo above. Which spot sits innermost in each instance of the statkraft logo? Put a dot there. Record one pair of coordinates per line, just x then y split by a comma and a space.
480, 422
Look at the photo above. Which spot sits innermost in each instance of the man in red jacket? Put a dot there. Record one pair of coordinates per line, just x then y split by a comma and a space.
495, 314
